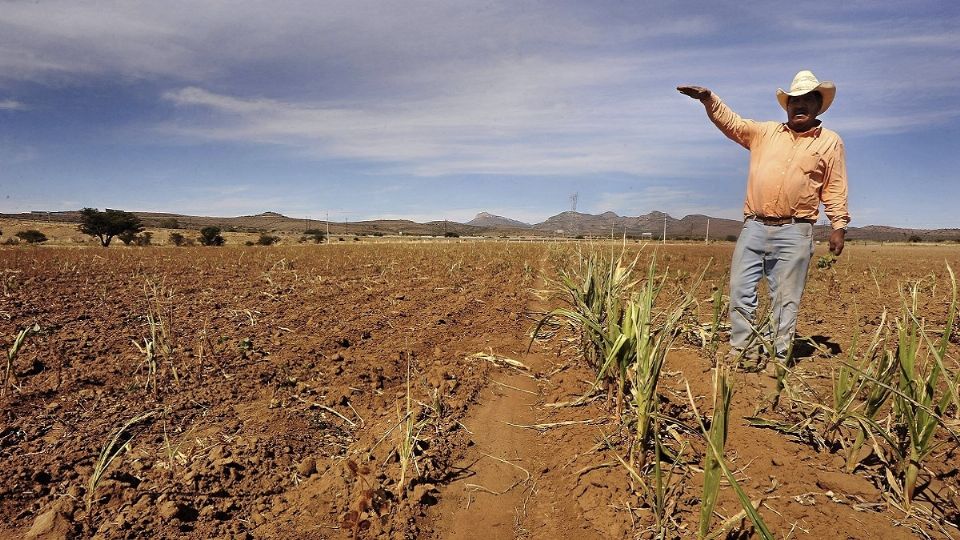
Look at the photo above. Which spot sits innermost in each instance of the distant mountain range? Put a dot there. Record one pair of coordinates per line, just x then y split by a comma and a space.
564, 224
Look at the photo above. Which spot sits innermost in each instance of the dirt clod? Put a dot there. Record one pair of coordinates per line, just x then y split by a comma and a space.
51, 525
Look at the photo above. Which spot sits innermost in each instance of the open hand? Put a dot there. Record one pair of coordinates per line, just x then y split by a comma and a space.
696, 92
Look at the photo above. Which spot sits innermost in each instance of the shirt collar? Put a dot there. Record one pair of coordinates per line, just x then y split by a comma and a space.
812, 132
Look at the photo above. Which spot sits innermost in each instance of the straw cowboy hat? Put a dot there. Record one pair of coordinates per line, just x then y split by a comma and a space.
804, 82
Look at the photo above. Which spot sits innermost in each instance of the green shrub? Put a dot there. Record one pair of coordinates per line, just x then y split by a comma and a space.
32, 236
267, 240
210, 236
176, 239
316, 235
127, 237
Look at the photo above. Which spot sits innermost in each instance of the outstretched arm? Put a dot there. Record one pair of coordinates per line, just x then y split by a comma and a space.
737, 129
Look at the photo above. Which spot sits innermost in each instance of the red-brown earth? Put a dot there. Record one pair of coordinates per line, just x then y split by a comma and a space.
277, 406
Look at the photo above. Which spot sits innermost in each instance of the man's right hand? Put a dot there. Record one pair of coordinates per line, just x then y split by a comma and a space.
696, 92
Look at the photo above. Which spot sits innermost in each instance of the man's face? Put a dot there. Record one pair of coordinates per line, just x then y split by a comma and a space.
802, 111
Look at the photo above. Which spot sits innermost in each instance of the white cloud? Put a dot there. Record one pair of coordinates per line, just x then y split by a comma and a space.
11, 105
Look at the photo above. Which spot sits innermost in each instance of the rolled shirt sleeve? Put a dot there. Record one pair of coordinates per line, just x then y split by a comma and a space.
737, 129
834, 191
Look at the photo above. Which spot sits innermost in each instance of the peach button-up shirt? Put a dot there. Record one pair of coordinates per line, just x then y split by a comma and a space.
790, 173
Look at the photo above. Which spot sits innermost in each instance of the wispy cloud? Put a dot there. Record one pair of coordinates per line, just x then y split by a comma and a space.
529, 120
11, 105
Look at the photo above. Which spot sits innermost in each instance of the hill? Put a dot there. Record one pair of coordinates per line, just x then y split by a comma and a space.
565, 224
483, 219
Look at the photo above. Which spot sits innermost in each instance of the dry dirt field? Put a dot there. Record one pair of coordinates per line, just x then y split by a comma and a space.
336, 391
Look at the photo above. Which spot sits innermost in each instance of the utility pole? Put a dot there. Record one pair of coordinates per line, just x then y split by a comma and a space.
707, 239
664, 239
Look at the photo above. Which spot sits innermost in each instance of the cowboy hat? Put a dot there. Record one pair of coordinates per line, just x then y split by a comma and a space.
804, 82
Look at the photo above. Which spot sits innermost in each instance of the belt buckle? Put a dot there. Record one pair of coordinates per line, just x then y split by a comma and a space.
775, 221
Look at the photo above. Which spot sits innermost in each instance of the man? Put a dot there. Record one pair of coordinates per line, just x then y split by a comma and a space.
794, 166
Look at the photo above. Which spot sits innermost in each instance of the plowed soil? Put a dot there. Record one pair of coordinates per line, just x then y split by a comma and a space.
284, 382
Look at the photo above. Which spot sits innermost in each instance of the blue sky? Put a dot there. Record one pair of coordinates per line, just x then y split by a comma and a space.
439, 110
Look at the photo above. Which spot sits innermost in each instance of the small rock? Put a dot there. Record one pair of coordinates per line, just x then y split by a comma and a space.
218, 452
307, 467
207, 512
846, 484
50, 525
169, 510
424, 493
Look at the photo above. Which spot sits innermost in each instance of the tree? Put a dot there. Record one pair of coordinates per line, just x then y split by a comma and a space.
210, 236
32, 236
177, 239
316, 235
105, 225
169, 223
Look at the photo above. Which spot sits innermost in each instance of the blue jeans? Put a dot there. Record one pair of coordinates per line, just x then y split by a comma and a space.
782, 254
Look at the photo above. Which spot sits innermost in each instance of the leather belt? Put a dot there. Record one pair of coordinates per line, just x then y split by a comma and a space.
777, 221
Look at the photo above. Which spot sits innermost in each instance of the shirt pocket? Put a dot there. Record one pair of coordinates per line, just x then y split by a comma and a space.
812, 165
